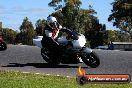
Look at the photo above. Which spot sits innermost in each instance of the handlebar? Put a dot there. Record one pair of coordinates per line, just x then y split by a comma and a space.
71, 34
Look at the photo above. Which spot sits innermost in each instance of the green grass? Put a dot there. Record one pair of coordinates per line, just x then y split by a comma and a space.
28, 80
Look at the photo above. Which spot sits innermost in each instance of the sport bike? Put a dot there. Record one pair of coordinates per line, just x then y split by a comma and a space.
74, 50
3, 45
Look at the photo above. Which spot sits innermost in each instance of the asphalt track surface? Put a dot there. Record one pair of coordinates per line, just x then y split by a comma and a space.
28, 59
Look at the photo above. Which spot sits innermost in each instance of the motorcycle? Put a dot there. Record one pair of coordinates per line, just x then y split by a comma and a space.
3, 45
74, 52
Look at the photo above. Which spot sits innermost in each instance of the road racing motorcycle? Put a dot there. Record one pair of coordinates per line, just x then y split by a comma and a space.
3, 45
75, 51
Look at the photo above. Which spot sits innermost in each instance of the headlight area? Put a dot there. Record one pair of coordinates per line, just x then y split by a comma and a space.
80, 42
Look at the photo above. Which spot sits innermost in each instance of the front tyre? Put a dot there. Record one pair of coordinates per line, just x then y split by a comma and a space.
91, 59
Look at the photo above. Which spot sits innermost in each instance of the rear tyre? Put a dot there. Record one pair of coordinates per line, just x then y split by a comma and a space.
3, 45
50, 59
45, 54
91, 60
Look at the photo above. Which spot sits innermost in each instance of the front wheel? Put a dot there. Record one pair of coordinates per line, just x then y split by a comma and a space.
91, 59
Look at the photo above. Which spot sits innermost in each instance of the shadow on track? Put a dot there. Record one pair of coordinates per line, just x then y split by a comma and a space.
40, 65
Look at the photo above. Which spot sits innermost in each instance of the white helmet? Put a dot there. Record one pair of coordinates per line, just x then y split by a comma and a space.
51, 19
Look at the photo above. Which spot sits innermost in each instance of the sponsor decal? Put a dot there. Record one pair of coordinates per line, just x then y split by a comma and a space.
83, 78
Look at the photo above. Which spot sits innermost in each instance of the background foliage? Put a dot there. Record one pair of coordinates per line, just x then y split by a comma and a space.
70, 15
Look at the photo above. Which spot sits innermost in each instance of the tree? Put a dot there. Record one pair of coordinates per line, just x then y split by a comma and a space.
9, 35
103, 27
118, 36
0, 28
26, 31
113, 36
71, 16
69, 12
124, 36
97, 37
59, 4
122, 15
40, 24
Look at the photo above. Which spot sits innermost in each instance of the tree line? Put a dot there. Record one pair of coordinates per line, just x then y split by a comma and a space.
70, 15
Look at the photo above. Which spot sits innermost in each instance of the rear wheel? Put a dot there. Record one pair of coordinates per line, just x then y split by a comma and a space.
45, 54
91, 60
50, 59
3, 45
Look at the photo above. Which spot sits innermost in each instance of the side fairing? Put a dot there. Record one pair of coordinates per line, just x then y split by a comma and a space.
87, 50
37, 41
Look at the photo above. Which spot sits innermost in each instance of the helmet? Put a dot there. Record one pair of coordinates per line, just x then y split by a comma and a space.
51, 19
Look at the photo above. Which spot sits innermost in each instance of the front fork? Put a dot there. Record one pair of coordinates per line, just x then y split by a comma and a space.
81, 52
86, 50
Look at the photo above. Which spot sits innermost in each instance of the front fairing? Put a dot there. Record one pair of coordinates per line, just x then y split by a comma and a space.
77, 42
80, 42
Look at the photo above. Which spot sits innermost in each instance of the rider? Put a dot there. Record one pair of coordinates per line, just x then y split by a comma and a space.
50, 34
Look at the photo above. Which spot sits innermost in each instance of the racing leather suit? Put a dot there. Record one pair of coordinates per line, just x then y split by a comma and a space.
49, 35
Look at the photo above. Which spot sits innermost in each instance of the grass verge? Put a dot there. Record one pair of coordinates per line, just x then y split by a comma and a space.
30, 80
